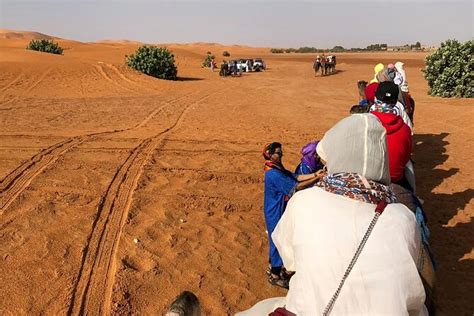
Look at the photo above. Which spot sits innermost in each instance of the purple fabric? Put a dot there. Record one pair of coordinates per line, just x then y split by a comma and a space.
307, 153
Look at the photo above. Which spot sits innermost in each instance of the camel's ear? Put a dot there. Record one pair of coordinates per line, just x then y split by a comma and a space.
361, 84
185, 304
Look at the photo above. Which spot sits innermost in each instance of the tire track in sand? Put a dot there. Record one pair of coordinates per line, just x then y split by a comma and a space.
39, 80
100, 69
19, 179
92, 293
27, 89
15, 182
12, 82
122, 76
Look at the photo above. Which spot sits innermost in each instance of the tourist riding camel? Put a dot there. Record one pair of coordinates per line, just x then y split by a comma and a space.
319, 64
355, 250
396, 73
378, 68
404, 96
395, 106
399, 139
330, 64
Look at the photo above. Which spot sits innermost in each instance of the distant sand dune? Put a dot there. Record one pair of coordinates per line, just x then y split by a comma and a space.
119, 41
11, 34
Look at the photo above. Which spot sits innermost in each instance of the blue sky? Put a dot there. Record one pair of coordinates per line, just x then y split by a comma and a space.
289, 23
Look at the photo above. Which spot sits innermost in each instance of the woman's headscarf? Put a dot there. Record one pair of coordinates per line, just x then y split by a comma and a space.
401, 78
357, 144
268, 150
370, 91
355, 151
307, 156
387, 74
378, 68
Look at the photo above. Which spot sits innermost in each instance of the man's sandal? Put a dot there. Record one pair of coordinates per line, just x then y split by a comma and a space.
278, 281
286, 274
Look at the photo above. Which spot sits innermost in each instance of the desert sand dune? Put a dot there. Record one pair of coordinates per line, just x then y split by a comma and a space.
12, 34
118, 191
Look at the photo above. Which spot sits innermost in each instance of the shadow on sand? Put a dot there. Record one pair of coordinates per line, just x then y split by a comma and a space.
189, 79
337, 71
455, 283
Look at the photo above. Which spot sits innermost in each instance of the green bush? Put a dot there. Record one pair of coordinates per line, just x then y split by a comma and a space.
154, 61
207, 61
277, 50
46, 46
226, 54
448, 70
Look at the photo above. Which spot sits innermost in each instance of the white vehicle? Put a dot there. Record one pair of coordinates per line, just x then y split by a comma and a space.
259, 64
245, 65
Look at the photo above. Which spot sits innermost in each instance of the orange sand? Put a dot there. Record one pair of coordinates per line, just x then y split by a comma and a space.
94, 155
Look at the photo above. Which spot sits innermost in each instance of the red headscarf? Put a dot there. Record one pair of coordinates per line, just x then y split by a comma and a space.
370, 91
269, 164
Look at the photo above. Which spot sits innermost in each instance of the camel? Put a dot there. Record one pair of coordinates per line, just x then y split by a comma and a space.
330, 64
320, 63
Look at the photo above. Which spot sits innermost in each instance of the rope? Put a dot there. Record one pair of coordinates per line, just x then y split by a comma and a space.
378, 210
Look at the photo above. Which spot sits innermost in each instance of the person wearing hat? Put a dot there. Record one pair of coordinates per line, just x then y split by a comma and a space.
399, 140
386, 97
323, 226
404, 97
386, 100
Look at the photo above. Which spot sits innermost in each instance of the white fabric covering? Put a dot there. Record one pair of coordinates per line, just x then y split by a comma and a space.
357, 144
264, 307
401, 77
320, 231
317, 237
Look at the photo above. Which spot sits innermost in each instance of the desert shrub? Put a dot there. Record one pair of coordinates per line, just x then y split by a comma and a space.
226, 54
277, 50
154, 61
207, 61
307, 49
448, 70
46, 46
377, 47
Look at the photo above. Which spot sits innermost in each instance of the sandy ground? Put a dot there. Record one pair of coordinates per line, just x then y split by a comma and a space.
118, 191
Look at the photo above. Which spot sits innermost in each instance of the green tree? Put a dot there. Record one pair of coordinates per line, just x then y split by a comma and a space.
449, 70
154, 61
207, 61
377, 47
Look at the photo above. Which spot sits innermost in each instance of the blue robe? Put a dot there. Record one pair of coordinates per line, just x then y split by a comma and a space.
278, 189
303, 169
